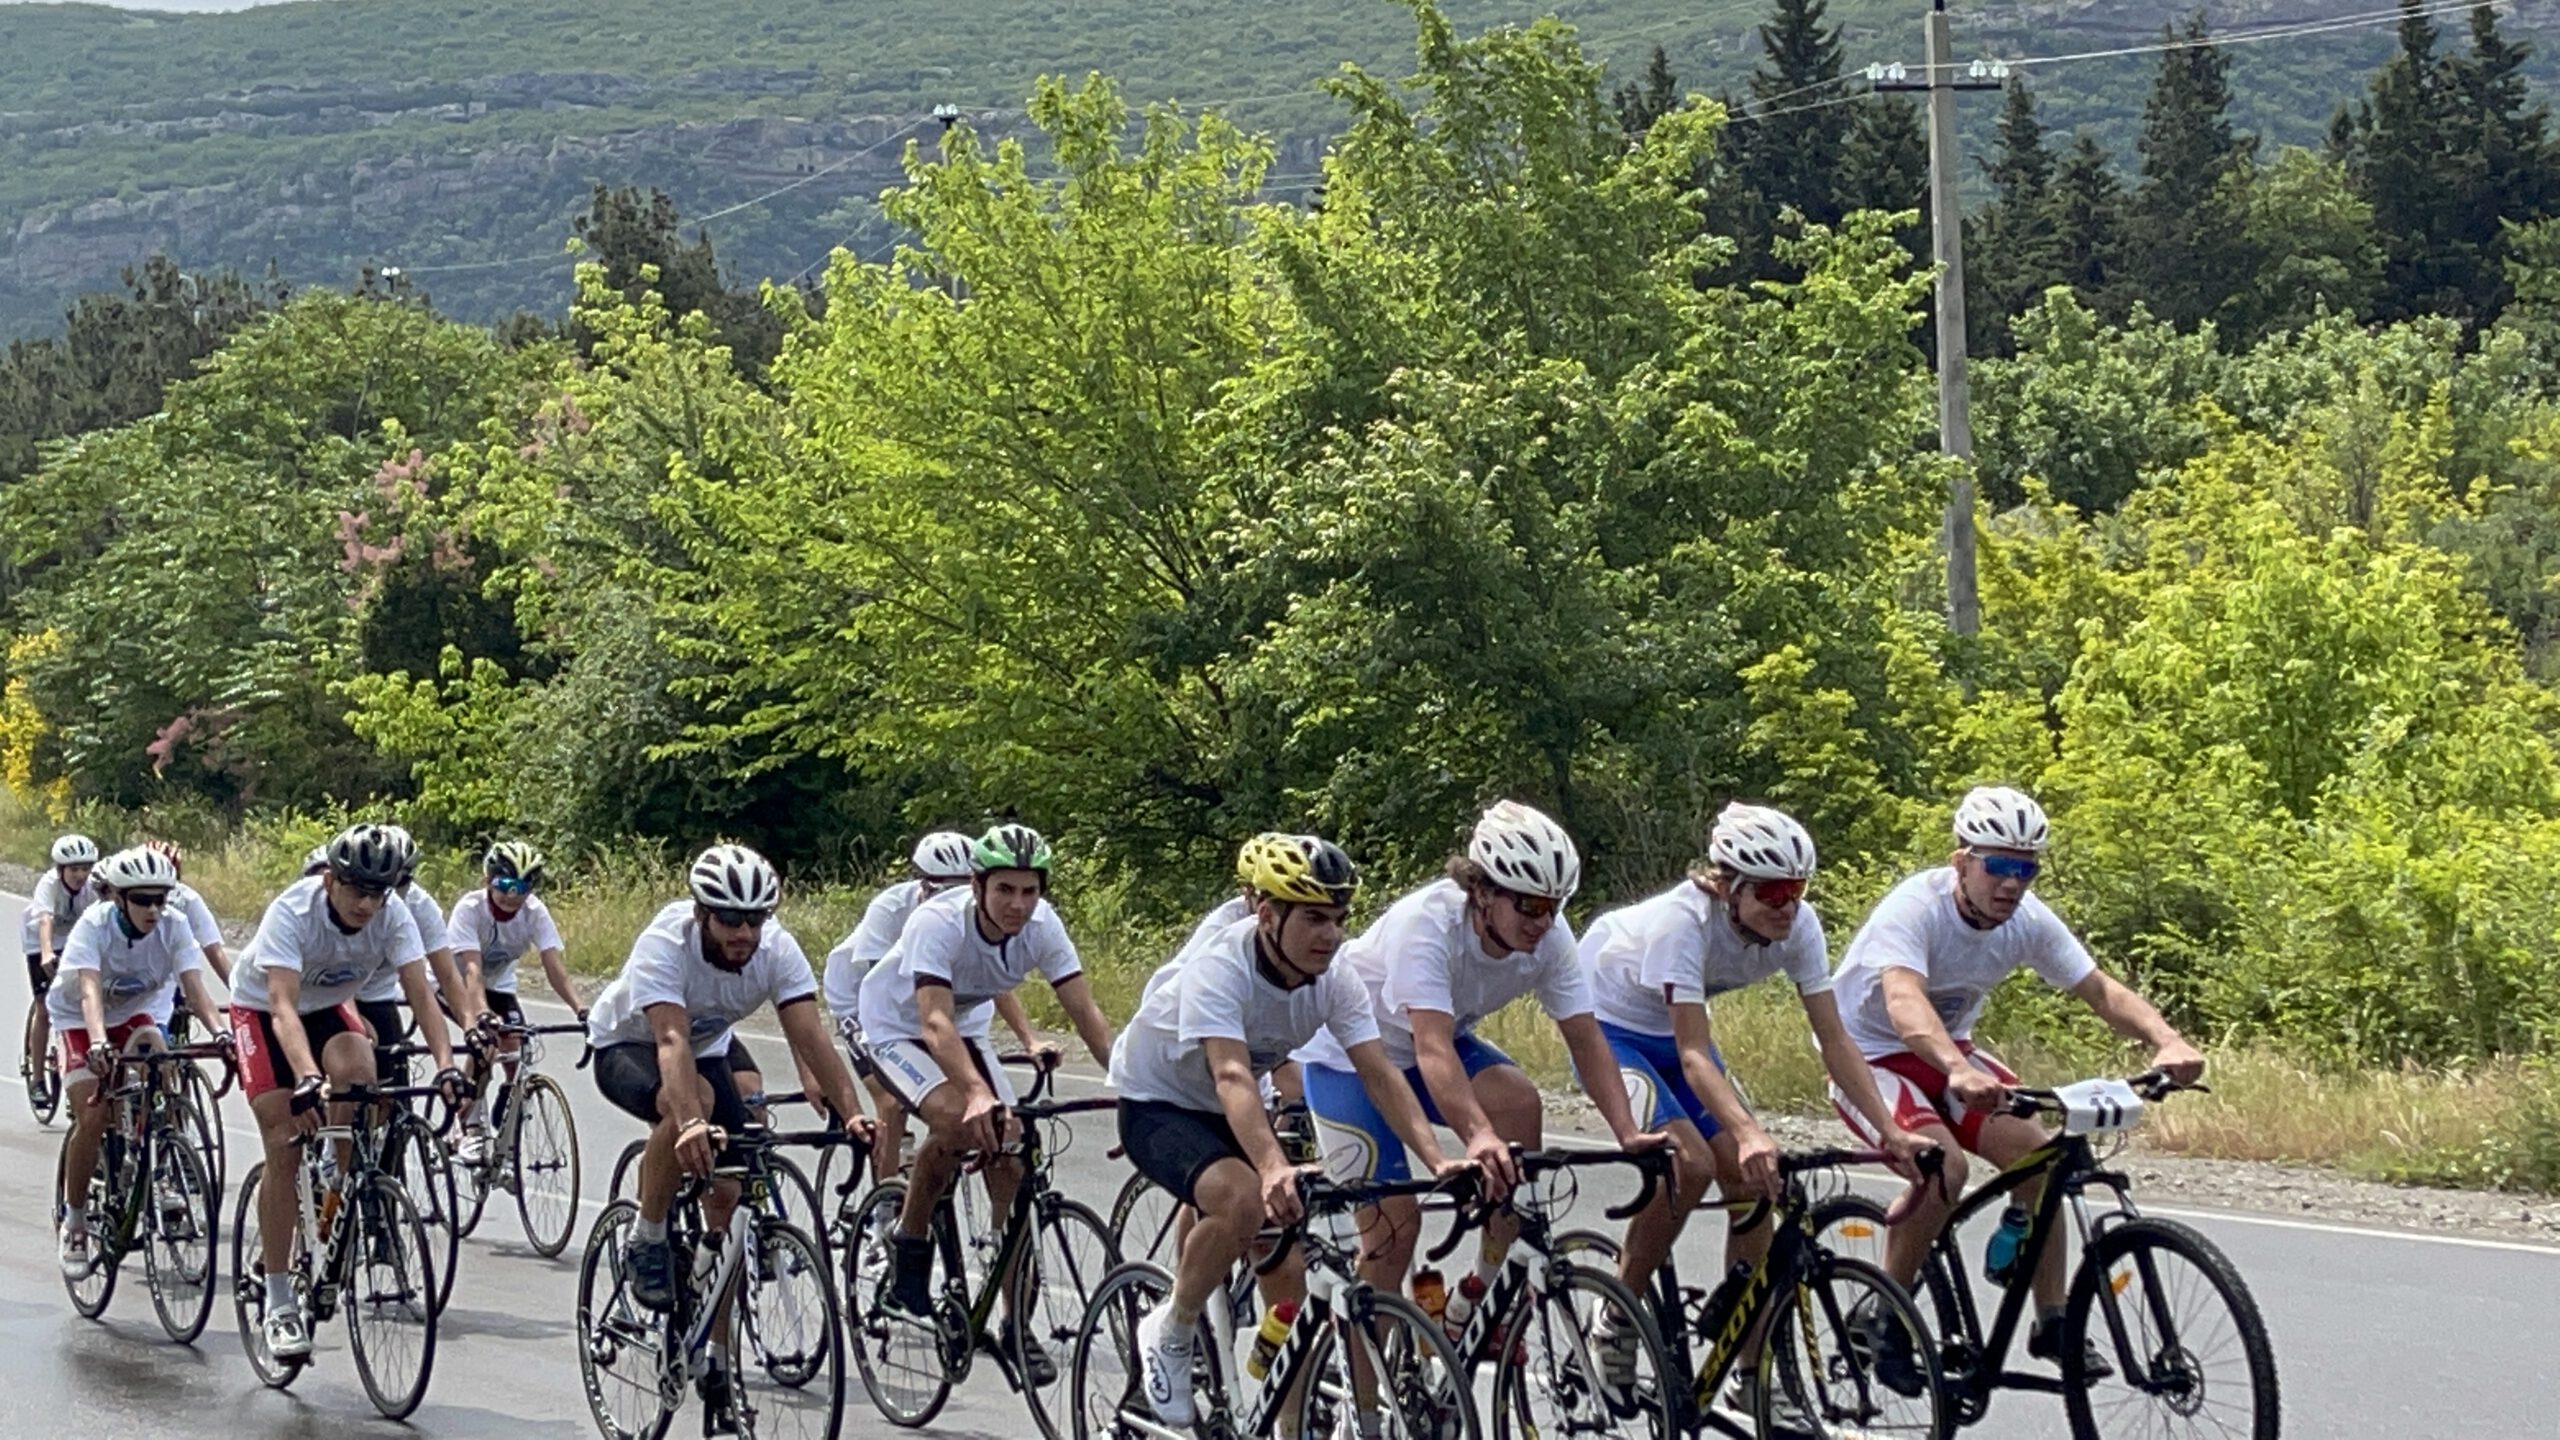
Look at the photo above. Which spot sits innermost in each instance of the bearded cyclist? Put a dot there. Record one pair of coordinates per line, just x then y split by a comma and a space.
61, 895
490, 930
1910, 989
379, 1003
925, 1013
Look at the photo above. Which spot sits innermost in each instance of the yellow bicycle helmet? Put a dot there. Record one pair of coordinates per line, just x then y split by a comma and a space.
1250, 856
1303, 870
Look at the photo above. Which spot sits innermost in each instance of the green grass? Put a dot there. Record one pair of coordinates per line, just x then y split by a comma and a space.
2495, 1126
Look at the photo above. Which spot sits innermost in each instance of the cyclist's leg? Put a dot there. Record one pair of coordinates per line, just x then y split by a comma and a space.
1360, 1145
2004, 1140
504, 1005
725, 1090
39, 1024
1658, 1094
1511, 1102
913, 1077
86, 1099
1915, 1091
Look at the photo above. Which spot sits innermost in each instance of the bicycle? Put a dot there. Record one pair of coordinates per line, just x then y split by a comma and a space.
788, 1321
416, 1154
1050, 1252
1349, 1347
1814, 1316
2143, 1323
42, 1072
533, 1145
358, 1241
205, 1116
149, 1193
791, 1197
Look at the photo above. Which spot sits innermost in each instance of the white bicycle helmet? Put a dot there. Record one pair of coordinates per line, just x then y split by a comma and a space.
1995, 817
75, 850
1759, 843
138, 869
943, 855
733, 877
1525, 852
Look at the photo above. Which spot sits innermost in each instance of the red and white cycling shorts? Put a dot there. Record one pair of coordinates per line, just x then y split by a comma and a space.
263, 1066
1916, 1092
71, 1047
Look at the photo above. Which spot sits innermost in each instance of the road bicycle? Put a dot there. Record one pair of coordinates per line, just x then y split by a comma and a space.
790, 1198
758, 1288
1831, 1345
358, 1243
150, 1193
1351, 1351
206, 1115
2182, 1345
1049, 1253
38, 1067
1143, 1213
420, 1156
532, 1149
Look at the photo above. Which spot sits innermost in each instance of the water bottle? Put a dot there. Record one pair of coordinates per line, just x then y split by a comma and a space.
1266, 1340
1462, 1305
2000, 1257
1430, 1292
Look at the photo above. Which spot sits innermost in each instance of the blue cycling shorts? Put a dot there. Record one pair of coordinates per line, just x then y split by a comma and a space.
1358, 1143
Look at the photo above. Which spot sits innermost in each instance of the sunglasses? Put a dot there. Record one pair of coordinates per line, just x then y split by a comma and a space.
1531, 907
742, 919
1778, 894
2009, 867
363, 891
511, 886
151, 901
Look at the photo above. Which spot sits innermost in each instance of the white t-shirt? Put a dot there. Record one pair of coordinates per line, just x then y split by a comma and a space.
184, 900
883, 920
1218, 992
1423, 955
666, 968
475, 926
1214, 924
1685, 939
429, 918
136, 977
297, 934
1917, 928
942, 941
65, 907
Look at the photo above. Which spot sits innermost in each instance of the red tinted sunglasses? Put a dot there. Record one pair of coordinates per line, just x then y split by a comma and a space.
1778, 894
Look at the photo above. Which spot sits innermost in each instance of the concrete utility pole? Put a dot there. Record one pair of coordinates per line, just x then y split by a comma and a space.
1946, 234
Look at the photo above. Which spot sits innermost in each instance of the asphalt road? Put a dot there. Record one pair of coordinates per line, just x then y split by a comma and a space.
2376, 1333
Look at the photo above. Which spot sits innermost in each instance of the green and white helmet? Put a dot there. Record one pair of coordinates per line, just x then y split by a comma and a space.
514, 860
1010, 847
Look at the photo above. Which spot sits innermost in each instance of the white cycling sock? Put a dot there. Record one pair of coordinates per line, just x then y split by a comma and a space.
279, 1292
647, 1231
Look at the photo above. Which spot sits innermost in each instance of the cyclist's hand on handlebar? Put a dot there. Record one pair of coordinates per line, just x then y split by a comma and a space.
694, 1147
456, 1089
1491, 1154
1756, 1156
2184, 1062
1902, 1151
1281, 1203
309, 1094
1975, 1089
1047, 1056
982, 1123
101, 1060
1644, 1140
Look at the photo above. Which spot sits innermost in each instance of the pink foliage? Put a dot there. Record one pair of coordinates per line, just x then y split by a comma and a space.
357, 555
165, 745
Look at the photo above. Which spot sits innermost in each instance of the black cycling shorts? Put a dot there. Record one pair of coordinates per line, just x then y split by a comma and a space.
38, 974
1174, 1145
502, 1003
740, 1061
385, 1017
628, 1076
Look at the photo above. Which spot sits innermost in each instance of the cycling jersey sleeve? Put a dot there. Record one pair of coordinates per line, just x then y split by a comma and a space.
1347, 1012
1675, 959
1808, 963
1417, 967
182, 935
2056, 953
882, 919
791, 979
924, 951
1059, 961
200, 920
546, 932
1211, 1002
655, 972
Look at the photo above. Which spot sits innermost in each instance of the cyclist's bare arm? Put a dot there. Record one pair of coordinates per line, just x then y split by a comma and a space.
1906, 1004
1018, 1020
2135, 1018
413, 988
1077, 997
467, 1005
1394, 1099
817, 1055
200, 1003
556, 970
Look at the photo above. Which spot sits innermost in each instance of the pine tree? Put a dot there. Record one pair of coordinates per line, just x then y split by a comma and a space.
2406, 159
2015, 253
2087, 213
1793, 153
2514, 173
2187, 220
1641, 102
1884, 165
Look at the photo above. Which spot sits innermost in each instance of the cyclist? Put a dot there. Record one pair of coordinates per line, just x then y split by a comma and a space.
1910, 989
491, 928
123, 964
1654, 965
1439, 961
379, 1003
61, 894
184, 900
925, 1013
940, 862
293, 1019
1188, 1070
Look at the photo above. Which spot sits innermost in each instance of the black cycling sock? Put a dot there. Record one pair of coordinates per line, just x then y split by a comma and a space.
911, 1272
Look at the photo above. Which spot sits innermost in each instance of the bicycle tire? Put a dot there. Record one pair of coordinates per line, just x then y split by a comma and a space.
204, 1118
626, 1174
1144, 1209
794, 1196
1421, 1368
416, 1157
805, 1397
542, 1154
1550, 1349
1070, 1252
392, 1281
2125, 1260
178, 1252
889, 1353
1959, 1344
1844, 1384
44, 1083
249, 1287
1103, 1372
610, 1325
91, 1292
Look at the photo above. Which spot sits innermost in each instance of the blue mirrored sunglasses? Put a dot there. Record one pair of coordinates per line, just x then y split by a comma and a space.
511, 885
2009, 867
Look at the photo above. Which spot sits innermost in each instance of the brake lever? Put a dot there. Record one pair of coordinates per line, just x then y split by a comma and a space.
1650, 1164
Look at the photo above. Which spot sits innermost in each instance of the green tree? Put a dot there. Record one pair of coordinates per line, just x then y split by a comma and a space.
1884, 165
636, 237
2015, 252
2187, 221
1642, 101
2316, 241
1783, 151
2087, 210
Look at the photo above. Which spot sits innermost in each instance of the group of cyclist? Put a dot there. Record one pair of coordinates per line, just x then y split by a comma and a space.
1378, 1031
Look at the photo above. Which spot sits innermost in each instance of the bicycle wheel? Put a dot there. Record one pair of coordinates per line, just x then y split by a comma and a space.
1400, 1364
91, 1292
179, 1238
626, 1174
795, 1387
1586, 1247
249, 1287
1070, 1252
416, 1157
202, 1114
390, 1299
1582, 1359
44, 1083
795, 1197
2168, 1311
1142, 1216
1103, 1374
1819, 1372
623, 1347
901, 1362
1851, 1226
542, 1161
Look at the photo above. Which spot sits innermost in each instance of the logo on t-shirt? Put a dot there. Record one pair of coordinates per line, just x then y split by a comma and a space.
335, 975
124, 987
705, 1026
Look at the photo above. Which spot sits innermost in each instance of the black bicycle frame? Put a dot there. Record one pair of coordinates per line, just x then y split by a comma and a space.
2069, 1168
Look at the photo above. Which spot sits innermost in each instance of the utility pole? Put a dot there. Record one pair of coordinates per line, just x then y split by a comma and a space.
1946, 235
